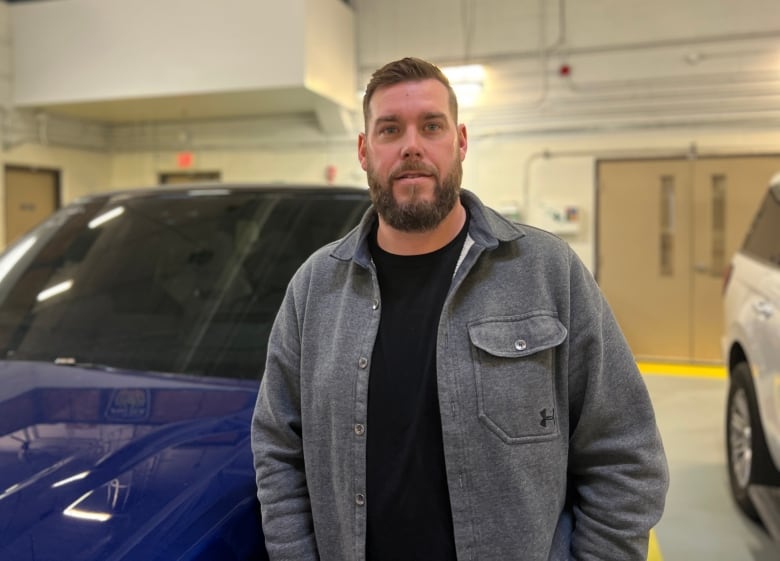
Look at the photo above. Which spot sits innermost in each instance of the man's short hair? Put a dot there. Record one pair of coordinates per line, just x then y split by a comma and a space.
407, 69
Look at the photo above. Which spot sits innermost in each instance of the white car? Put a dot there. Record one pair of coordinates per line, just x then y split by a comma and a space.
751, 349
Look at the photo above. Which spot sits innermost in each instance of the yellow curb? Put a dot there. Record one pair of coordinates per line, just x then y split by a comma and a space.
690, 370
653, 549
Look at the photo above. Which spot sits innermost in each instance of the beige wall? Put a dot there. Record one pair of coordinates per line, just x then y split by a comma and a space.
292, 165
508, 172
527, 174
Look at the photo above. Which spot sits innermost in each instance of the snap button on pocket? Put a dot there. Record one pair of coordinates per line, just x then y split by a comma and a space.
521, 345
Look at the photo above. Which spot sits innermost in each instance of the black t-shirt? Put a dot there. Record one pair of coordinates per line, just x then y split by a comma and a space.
409, 514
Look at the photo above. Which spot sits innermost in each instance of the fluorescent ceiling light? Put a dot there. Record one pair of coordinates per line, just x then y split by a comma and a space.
106, 216
71, 479
471, 73
12, 489
468, 94
54, 290
467, 82
208, 192
74, 512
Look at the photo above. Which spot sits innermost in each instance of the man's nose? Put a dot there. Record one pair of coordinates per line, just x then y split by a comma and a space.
411, 145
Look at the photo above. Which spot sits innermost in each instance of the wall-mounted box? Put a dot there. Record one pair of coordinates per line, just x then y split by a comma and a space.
560, 219
137, 60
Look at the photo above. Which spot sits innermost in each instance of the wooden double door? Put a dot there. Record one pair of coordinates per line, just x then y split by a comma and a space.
666, 232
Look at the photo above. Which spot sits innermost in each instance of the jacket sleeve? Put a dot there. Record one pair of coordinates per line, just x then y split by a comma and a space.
277, 445
617, 467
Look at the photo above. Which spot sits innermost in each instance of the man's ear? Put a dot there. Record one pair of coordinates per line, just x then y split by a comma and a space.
463, 142
362, 151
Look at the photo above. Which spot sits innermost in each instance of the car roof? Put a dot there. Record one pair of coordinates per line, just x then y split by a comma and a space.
223, 188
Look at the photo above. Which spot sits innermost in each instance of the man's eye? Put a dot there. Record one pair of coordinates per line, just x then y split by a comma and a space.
432, 127
388, 130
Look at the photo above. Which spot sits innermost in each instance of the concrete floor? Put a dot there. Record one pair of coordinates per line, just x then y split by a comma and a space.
700, 521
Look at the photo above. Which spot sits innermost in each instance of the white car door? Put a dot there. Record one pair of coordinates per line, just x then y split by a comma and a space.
766, 306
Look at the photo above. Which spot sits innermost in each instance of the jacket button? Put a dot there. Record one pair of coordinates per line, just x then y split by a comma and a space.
363, 362
360, 430
375, 305
360, 499
520, 344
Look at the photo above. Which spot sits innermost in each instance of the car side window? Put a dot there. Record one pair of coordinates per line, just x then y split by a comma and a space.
763, 239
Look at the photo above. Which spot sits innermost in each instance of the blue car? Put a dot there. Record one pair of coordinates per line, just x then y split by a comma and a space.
133, 330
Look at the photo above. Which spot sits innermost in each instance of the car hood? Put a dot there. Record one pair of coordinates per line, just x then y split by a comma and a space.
101, 464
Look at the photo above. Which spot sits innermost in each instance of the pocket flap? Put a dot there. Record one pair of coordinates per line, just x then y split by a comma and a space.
517, 336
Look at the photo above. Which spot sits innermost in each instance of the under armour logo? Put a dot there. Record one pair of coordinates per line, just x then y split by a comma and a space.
546, 417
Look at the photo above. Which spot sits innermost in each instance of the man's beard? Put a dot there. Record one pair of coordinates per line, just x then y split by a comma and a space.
416, 215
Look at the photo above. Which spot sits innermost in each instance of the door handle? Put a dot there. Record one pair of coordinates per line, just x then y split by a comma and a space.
710, 270
763, 308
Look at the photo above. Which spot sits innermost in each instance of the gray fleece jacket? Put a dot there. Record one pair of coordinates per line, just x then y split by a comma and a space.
550, 440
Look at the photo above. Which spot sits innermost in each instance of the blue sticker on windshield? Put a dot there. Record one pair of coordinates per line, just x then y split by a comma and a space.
129, 404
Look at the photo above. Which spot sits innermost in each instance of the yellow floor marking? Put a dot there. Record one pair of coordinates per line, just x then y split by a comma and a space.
653, 549
694, 370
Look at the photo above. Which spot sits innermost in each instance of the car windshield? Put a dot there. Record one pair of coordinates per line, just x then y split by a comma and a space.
183, 282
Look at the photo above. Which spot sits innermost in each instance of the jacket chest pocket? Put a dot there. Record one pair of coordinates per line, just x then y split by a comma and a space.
514, 366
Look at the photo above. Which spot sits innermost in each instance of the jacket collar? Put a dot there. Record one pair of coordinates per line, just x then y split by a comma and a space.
487, 228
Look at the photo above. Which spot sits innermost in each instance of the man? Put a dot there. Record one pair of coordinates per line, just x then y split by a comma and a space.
443, 384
